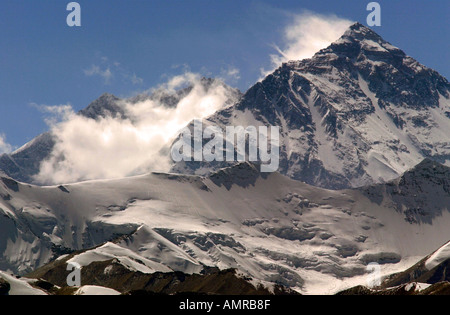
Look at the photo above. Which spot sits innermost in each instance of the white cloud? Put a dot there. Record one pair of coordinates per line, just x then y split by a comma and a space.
234, 72
113, 148
180, 81
4, 146
231, 75
307, 34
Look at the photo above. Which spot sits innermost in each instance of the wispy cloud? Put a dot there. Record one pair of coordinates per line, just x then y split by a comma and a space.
95, 70
135, 79
305, 35
5, 147
108, 70
55, 113
230, 75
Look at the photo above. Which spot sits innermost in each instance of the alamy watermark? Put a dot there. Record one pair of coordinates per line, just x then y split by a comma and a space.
74, 17
229, 145
374, 17
74, 278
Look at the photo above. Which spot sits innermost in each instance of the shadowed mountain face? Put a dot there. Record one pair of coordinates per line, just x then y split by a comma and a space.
25, 162
433, 269
360, 111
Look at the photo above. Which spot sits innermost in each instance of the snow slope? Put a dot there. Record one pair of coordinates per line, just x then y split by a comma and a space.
269, 227
95, 290
438, 257
20, 286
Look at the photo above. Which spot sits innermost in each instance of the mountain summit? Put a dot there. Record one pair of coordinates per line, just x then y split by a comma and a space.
358, 112
393, 76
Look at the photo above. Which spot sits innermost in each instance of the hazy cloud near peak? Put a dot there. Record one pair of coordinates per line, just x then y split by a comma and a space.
110, 147
230, 75
5, 147
305, 35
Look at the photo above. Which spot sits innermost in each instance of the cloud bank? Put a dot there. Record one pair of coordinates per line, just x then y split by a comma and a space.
305, 35
111, 147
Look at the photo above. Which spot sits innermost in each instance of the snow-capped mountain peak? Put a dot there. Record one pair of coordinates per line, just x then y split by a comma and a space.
362, 34
358, 112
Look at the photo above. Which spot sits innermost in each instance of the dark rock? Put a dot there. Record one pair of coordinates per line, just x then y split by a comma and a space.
5, 287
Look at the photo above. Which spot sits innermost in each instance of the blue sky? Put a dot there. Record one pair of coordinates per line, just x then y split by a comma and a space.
127, 46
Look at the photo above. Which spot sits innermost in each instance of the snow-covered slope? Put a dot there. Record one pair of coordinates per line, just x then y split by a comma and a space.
95, 290
438, 257
20, 286
360, 111
271, 228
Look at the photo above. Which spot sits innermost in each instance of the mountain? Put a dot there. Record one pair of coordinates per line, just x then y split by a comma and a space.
415, 193
427, 277
112, 278
267, 227
171, 98
358, 112
431, 270
25, 163
413, 288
